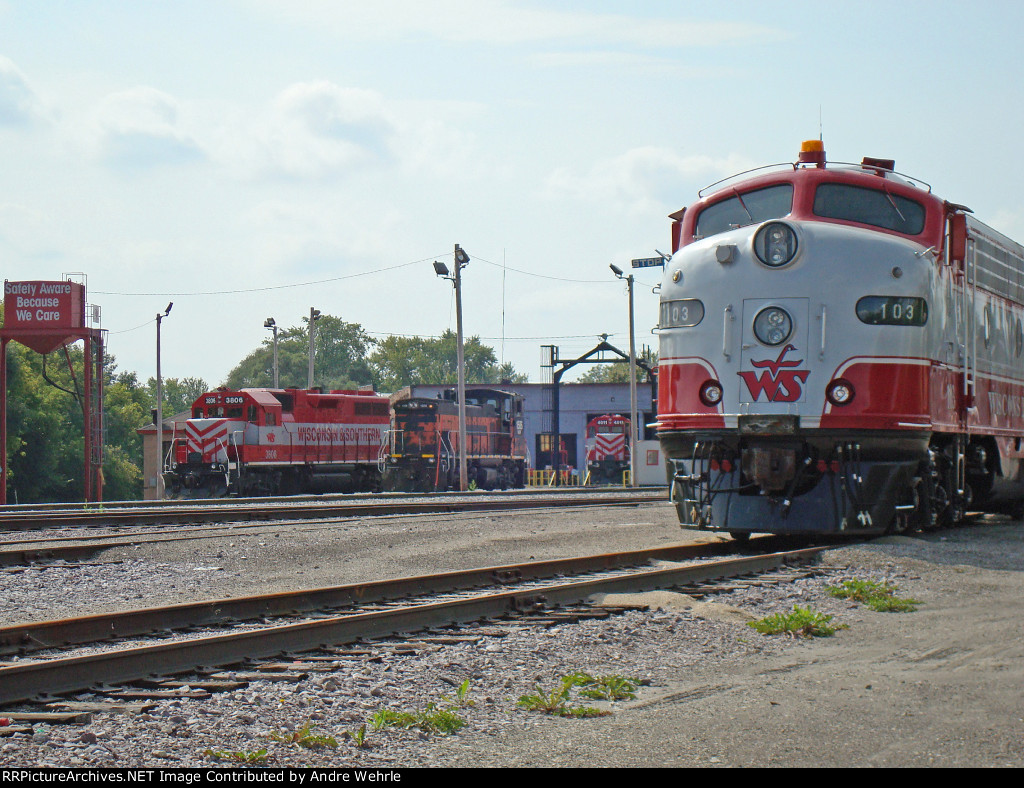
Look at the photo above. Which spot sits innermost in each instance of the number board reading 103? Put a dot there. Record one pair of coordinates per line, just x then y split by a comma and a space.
676, 314
892, 311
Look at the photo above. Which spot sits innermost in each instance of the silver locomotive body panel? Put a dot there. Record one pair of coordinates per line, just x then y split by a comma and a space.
835, 267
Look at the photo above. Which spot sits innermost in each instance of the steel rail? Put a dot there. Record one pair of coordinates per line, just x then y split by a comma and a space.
171, 503
25, 681
14, 552
25, 637
25, 556
33, 521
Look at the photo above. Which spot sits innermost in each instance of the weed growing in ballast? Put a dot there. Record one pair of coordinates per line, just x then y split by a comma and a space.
802, 622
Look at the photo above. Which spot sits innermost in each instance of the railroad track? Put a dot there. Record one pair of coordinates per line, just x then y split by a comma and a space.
344, 615
284, 510
79, 545
170, 503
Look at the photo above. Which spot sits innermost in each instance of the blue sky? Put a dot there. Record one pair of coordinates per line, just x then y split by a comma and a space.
189, 151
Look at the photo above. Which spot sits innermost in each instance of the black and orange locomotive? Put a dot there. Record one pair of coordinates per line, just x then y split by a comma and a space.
423, 443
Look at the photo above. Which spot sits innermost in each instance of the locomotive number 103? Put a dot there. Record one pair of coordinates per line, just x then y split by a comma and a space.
892, 311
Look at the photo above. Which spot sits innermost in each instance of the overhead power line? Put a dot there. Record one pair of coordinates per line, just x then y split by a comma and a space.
273, 287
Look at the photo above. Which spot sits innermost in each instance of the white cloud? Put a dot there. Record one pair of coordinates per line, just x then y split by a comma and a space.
142, 127
321, 130
19, 104
641, 180
332, 111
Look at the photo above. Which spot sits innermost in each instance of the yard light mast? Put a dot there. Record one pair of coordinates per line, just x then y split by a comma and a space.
461, 261
633, 426
160, 409
272, 325
314, 315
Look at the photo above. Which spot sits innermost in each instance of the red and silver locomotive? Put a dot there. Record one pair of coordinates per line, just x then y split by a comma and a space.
278, 441
841, 352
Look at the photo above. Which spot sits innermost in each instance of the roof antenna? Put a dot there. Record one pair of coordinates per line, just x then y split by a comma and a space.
821, 132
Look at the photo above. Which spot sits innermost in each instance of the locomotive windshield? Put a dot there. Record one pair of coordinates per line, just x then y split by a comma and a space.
745, 208
417, 429
876, 207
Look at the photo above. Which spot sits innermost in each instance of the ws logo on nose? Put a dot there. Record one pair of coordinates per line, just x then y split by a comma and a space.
779, 382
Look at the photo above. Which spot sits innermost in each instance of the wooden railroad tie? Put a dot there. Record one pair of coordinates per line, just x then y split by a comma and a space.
106, 707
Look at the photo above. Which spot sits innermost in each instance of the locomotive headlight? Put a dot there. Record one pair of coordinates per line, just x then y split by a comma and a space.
710, 393
773, 326
840, 392
775, 244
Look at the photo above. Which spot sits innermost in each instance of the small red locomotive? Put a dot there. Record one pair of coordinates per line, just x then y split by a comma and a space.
278, 442
423, 443
607, 445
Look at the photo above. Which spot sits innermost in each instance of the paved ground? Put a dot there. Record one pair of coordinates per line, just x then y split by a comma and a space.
940, 687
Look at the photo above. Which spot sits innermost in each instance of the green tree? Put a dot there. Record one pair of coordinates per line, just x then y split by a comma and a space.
179, 393
341, 354
37, 433
407, 361
127, 406
340, 358
618, 372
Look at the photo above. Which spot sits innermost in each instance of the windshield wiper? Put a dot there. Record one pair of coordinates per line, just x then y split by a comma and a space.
895, 207
744, 205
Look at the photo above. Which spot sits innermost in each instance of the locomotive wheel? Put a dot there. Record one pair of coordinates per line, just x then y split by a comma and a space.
959, 509
937, 512
940, 510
